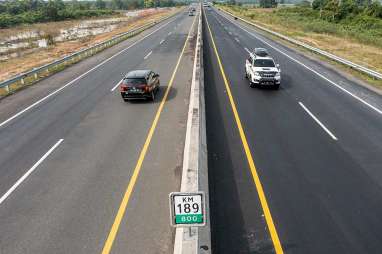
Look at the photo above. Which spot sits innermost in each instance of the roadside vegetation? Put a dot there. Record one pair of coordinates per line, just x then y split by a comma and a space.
16, 12
348, 28
43, 56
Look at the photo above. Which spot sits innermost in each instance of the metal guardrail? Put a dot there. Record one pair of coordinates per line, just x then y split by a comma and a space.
333, 57
37, 73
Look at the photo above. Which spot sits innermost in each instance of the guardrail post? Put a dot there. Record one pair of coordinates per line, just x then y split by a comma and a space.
7, 89
22, 81
35, 76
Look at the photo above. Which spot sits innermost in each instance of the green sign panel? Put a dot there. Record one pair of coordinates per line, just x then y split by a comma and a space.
189, 219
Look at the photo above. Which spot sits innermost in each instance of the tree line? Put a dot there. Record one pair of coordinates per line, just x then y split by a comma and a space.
135, 4
337, 10
331, 10
14, 12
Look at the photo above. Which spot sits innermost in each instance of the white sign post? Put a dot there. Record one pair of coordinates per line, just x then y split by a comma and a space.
187, 209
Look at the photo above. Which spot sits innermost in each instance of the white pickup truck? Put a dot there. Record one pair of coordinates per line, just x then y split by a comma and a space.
261, 69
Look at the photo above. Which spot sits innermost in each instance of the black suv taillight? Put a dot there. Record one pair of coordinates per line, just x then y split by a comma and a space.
123, 88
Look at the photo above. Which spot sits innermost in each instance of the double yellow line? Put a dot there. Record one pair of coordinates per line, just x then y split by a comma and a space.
122, 208
255, 176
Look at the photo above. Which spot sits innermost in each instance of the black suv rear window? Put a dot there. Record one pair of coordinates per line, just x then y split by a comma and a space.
264, 63
134, 81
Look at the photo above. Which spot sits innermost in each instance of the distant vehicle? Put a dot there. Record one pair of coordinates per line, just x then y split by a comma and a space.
191, 13
261, 69
140, 84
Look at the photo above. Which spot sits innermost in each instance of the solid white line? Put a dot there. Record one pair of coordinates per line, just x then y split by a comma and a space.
161, 41
9, 192
310, 69
147, 56
318, 121
112, 90
246, 49
79, 77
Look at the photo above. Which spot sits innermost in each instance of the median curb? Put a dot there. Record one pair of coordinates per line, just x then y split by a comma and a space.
195, 240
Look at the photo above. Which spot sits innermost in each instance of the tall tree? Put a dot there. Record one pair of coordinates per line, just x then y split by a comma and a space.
268, 3
117, 4
149, 3
100, 4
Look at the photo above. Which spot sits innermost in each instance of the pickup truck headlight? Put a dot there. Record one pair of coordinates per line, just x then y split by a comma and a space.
256, 74
277, 75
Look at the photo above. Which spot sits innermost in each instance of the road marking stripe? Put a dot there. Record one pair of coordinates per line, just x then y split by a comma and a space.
256, 178
30, 171
169, 33
147, 56
161, 41
81, 76
318, 121
236, 39
126, 197
310, 69
246, 49
119, 82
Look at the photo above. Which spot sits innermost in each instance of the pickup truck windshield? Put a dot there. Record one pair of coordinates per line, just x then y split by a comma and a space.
263, 63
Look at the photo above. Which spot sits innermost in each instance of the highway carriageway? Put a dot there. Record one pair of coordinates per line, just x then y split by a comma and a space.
81, 170
296, 170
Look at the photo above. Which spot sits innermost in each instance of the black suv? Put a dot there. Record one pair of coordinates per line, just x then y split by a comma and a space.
140, 84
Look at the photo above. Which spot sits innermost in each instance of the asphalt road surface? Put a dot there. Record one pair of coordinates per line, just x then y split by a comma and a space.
298, 170
316, 145
67, 161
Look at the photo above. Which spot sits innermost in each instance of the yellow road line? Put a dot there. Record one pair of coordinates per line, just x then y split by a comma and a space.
122, 208
256, 179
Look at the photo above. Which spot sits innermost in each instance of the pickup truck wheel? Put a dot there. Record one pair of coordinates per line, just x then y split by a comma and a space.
251, 84
246, 74
152, 95
276, 87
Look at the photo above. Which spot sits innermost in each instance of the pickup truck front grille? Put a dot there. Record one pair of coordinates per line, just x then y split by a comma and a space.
267, 74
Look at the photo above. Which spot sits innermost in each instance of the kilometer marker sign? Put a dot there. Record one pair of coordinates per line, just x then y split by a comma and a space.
187, 209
